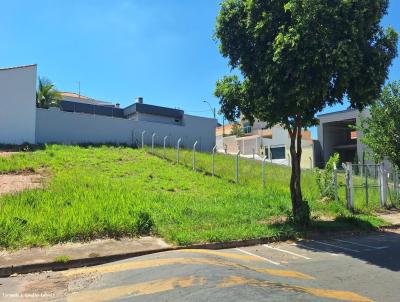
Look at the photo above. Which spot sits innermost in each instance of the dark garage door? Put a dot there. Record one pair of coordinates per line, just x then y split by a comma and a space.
278, 152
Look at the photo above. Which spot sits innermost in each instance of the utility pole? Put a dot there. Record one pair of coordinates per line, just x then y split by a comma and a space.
212, 109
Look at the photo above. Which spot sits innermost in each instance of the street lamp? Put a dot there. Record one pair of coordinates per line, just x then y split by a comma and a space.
212, 109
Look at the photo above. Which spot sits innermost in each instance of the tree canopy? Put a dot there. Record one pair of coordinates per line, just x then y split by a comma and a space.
298, 56
381, 131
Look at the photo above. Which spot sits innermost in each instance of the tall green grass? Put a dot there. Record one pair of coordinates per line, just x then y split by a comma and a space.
99, 192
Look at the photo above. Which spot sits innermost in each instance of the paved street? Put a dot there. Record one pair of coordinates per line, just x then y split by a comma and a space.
356, 268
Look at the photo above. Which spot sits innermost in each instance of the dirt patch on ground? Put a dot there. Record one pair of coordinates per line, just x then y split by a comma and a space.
12, 183
7, 153
392, 216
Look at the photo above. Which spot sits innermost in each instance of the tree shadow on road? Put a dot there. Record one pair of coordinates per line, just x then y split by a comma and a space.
355, 237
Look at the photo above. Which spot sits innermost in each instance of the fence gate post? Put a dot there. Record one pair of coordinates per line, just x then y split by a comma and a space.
349, 186
237, 166
212, 160
165, 138
365, 167
335, 183
143, 132
152, 142
263, 171
177, 150
396, 184
382, 185
194, 156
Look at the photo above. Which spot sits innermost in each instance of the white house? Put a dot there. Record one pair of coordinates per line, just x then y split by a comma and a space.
18, 106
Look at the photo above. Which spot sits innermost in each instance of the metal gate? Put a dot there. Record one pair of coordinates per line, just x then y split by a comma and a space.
370, 185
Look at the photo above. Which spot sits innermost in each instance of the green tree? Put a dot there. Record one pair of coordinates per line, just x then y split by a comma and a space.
47, 95
237, 130
381, 131
298, 56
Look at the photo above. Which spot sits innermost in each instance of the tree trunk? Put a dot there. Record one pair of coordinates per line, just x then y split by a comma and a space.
301, 212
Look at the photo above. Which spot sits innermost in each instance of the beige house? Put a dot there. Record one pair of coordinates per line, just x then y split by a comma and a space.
262, 141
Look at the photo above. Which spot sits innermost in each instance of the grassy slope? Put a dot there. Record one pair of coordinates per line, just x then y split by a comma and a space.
107, 191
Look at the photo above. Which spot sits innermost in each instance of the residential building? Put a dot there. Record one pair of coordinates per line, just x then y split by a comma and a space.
337, 133
84, 120
263, 141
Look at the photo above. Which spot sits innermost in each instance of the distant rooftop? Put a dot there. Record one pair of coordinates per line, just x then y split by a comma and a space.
84, 99
74, 95
336, 112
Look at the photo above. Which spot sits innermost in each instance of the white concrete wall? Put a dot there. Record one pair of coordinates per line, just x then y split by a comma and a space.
55, 126
18, 105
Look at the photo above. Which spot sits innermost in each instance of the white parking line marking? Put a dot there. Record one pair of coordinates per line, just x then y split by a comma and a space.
336, 246
266, 259
314, 249
364, 245
285, 251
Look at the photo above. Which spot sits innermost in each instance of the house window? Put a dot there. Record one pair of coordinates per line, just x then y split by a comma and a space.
247, 129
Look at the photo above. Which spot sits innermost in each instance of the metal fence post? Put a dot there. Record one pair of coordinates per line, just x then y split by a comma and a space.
152, 142
270, 154
143, 132
212, 159
177, 150
165, 138
194, 156
253, 153
237, 166
263, 171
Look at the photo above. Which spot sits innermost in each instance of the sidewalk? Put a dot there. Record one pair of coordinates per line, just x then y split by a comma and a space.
392, 216
91, 253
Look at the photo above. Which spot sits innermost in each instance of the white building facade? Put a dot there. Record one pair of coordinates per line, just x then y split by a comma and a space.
18, 105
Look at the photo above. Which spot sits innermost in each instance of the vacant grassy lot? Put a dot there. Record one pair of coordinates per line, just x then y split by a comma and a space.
115, 191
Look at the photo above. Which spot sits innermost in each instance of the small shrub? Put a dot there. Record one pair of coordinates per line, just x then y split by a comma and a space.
325, 178
62, 259
144, 223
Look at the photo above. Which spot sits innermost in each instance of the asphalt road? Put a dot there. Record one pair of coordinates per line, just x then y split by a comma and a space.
356, 268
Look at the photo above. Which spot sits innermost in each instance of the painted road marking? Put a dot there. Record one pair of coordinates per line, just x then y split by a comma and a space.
221, 254
254, 255
144, 288
126, 266
286, 251
318, 292
364, 245
336, 246
313, 249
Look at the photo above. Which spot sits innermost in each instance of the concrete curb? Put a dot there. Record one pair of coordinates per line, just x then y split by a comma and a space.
76, 263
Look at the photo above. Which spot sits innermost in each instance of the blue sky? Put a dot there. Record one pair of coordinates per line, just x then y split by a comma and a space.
160, 49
